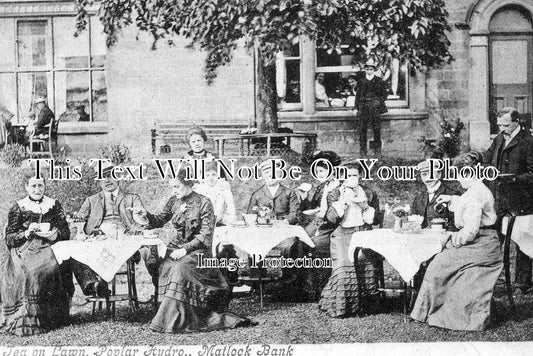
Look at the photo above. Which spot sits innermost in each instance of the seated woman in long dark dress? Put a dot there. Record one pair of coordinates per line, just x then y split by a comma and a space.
457, 289
192, 298
33, 292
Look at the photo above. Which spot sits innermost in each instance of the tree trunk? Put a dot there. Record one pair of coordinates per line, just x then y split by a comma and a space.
267, 101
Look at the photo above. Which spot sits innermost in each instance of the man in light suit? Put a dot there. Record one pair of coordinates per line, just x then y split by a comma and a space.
109, 209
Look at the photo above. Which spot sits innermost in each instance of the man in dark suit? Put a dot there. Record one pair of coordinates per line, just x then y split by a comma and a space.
511, 152
424, 202
45, 116
370, 104
109, 209
285, 205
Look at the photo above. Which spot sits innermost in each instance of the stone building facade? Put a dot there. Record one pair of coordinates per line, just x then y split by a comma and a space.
127, 89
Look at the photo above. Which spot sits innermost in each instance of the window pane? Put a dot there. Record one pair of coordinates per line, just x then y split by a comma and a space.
31, 86
70, 51
294, 51
98, 46
32, 46
338, 89
7, 44
99, 96
8, 101
293, 82
348, 56
72, 95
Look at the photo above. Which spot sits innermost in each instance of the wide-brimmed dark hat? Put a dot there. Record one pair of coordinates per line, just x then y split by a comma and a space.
331, 156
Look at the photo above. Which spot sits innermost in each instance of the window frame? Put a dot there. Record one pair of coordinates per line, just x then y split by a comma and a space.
51, 69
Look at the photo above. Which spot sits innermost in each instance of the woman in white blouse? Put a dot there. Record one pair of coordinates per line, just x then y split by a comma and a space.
457, 289
218, 191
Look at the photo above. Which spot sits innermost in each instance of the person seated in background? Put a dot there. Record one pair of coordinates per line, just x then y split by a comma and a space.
458, 285
105, 212
82, 115
351, 91
219, 192
349, 211
318, 228
196, 138
322, 99
45, 116
293, 91
285, 206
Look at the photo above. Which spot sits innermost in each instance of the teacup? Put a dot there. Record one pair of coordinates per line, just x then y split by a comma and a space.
249, 219
44, 227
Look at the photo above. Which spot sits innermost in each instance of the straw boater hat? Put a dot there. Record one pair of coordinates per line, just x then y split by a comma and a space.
40, 99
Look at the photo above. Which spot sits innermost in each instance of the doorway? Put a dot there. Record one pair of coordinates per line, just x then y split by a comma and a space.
511, 64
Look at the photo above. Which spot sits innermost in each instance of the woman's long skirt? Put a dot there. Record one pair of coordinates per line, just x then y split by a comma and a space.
193, 298
341, 295
457, 288
34, 299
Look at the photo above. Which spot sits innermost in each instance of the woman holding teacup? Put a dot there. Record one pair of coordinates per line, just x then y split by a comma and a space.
34, 294
457, 288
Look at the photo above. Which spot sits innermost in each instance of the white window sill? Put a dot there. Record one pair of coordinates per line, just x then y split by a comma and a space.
82, 128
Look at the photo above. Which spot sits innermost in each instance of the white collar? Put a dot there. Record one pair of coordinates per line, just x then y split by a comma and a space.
273, 189
114, 193
36, 207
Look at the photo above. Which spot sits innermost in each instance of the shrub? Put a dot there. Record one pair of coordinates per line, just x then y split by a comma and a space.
117, 154
13, 154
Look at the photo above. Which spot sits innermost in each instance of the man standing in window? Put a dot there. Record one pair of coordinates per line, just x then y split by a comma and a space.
45, 116
370, 104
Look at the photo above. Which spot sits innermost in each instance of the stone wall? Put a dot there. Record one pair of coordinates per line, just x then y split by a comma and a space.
167, 85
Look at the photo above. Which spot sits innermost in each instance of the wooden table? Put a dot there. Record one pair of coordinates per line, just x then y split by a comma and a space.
245, 141
19, 130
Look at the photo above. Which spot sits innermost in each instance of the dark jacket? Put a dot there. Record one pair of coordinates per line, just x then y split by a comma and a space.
370, 97
422, 206
45, 117
516, 158
285, 203
194, 221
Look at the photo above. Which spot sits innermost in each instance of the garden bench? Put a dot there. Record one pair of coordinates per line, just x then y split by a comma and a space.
169, 136
268, 140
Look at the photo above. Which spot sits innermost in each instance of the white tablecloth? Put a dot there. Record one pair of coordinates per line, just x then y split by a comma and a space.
104, 257
522, 233
404, 252
258, 240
